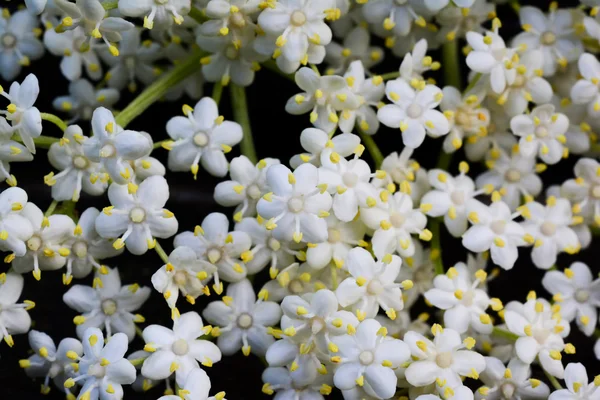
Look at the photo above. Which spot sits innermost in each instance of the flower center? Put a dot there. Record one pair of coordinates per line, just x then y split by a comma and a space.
109, 307
237, 19
462, 118
108, 150
34, 243
541, 131
298, 18
595, 191
232, 53
180, 278
414, 111
253, 192
180, 347
96, 370
295, 286
137, 215
398, 175
444, 360
350, 179
508, 390
540, 335
548, 38
295, 204
512, 175
582, 296
366, 357
519, 81
80, 249
498, 227
274, 244
468, 297
9, 40
548, 228
244, 321
333, 235
397, 219
374, 287
213, 255
80, 162
458, 197
200, 139
317, 324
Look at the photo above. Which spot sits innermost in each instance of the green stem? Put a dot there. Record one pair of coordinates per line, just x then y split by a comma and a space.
158, 89
217, 92
158, 145
239, 104
51, 208
272, 66
161, 253
198, 15
502, 333
473, 82
371, 146
139, 331
450, 61
55, 120
110, 4
390, 75
553, 381
42, 142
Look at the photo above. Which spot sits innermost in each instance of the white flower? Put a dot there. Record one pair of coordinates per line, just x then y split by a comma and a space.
576, 379
512, 174
25, 119
267, 250
497, 135
341, 238
541, 332
584, 190
49, 362
178, 351
217, 247
554, 34
586, 90
136, 219
114, 147
183, 273
579, 132
243, 320
10, 151
413, 111
297, 24
449, 198
248, 183
549, 230
463, 302
579, 295
162, 13
107, 305
297, 205
287, 386
455, 24
70, 45
202, 136
134, 63
401, 168
419, 269
512, 381
91, 16
394, 221
416, 63
444, 358
394, 16
493, 229
229, 18
196, 387
314, 141
323, 97
102, 369
368, 359
294, 279
356, 46
371, 284
77, 172
48, 245
83, 99
15, 229
19, 44
542, 132
14, 318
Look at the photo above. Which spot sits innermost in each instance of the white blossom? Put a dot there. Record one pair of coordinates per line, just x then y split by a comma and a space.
196, 387
578, 387
83, 99
19, 44
76, 56
163, 13
314, 141
14, 318
506, 382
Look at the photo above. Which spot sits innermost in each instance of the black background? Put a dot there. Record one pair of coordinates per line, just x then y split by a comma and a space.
276, 135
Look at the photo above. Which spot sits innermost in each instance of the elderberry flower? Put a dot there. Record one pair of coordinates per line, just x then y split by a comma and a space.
541, 332
202, 136
295, 279
136, 219
178, 350
394, 16
83, 99
107, 305
314, 141
70, 45
287, 386
341, 238
368, 359
584, 190
401, 168
578, 386
196, 387
416, 63
578, 294
14, 318
183, 273
229, 17
15, 229
114, 147
419, 269
586, 90
10, 151
549, 231
162, 13
248, 183
47, 246
371, 284
25, 119
323, 97
413, 111
493, 229
50, 362
18, 44
356, 46
512, 381
243, 321
102, 368
217, 247
297, 205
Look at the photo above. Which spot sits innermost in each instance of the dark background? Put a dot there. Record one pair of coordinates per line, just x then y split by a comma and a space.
276, 135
